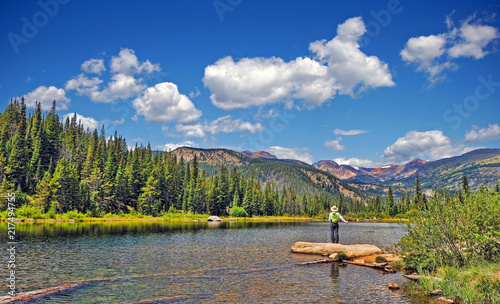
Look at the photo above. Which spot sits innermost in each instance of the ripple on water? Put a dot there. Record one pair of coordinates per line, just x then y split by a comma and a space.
195, 263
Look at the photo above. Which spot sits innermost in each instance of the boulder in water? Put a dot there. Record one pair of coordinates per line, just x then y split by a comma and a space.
214, 218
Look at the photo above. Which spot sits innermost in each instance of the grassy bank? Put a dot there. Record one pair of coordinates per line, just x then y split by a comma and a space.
479, 283
457, 238
31, 213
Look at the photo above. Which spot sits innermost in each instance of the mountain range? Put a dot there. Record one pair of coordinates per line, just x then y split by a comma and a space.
481, 166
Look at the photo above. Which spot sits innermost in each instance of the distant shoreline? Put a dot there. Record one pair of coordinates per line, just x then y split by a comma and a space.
195, 218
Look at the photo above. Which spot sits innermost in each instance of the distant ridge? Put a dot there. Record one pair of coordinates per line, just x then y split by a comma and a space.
482, 166
302, 177
261, 154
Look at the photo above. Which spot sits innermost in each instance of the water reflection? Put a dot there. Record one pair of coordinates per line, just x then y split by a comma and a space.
236, 262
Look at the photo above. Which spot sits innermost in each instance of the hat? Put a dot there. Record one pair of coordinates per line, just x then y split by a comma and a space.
334, 209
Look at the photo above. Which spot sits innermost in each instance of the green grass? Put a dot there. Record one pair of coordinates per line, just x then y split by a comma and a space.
479, 283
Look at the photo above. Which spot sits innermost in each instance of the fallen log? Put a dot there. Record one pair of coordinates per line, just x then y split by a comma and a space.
357, 250
317, 262
382, 266
36, 294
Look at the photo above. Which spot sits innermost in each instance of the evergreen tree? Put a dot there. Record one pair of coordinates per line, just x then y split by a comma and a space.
389, 205
149, 200
185, 187
248, 197
497, 187
16, 164
213, 196
465, 184
122, 190
236, 198
43, 196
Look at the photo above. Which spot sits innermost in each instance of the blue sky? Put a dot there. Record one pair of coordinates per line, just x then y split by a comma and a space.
364, 83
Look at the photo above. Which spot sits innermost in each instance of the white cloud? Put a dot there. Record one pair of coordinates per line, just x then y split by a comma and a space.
472, 39
259, 81
84, 86
424, 52
45, 96
424, 49
339, 67
93, 66
163, 103
270, 114
433, 54
137, 139
193, 94
221, 125
121, 86
301, 154
118, 122
358, 162
431, 145
173, 146
482, 135
349, 132
127, 63
87, 122
334, 144
352, 70
123, 83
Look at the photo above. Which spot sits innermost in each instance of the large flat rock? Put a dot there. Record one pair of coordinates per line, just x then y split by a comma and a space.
356, 250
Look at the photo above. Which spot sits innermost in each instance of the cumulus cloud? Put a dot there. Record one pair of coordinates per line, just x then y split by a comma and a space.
472, 39
163, 104
123, 84
221, 125
173, 146
349, 132
301, 154
352, 69
127, 63
431, 145
87, 122
45, 96
83, 84
93, 66
433, 54
482, 135
338, 67
334, 144
358, 162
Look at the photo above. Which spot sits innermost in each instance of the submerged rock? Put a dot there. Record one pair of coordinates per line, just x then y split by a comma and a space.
393, 286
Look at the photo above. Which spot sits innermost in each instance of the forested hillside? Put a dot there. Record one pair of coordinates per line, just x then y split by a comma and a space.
58, 166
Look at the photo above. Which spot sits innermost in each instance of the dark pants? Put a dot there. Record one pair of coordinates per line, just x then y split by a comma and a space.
334, 228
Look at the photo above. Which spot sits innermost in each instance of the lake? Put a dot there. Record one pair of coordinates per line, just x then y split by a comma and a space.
199, 262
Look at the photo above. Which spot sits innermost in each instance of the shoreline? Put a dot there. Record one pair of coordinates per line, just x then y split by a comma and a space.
193, 218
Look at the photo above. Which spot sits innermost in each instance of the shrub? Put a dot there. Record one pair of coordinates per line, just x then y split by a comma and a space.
453, 230
29, 211
239, 212
73, 215
380, 259
342, 256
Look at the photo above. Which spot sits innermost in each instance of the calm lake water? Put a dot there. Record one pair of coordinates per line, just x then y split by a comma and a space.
199, 262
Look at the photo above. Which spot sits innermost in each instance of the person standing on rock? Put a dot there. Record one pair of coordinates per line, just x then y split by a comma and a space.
334, 223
